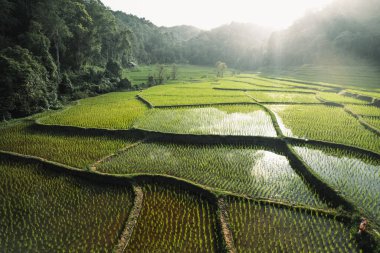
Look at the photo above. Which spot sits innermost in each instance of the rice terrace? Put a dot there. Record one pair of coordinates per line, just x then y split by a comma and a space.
116, 148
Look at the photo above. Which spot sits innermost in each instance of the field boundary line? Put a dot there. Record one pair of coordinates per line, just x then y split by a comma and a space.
371, 153
303, 82
129, 179
146, 102
233, 139
251, 83
264, 90
225, 228
272, 116
111, 156
362, 121
81, 130
194, 96
132, 220
372, 100
322, 189
313, 180
328, 103
202, 105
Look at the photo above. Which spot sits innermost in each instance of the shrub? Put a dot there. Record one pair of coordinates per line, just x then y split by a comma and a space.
23, 86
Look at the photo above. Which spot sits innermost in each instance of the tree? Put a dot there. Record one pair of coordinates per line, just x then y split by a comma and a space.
220, 68
174, 72
160, 74
113, 69
23, 86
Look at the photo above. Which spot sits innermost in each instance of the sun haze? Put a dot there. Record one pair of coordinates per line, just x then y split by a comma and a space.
208, 14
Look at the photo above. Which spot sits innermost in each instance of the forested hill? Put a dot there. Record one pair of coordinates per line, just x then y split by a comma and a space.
56, 50
239, 45
345, 32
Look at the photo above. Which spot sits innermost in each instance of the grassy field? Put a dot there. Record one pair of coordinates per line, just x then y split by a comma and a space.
375, 122
249, 170
184, 73
204, 89
74, 150
175, 220
261, 227
364, 110
337, 98
185, 100
326, 123
117, 110
44, 211
355, 176
283, 97
218, 120
358, 76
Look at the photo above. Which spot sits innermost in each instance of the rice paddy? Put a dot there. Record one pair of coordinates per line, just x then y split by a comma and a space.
326, 123
249, 170
262, 227
248, 120
175, 220
45, 211
357, 178
118, 110
71, 149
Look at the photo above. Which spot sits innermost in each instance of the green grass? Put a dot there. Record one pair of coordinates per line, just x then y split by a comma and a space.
337, 98
355, 177
326, 123
70, 149
249, 170
372, 94
375, 122
261, 82
261, 227
240, 84
286, 97
184, 73
218, 120
364, 110
185, 100
186, 90
45, 211
174, 220
358, 76
117, 110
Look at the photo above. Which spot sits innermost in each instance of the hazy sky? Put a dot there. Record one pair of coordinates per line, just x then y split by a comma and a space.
208, 14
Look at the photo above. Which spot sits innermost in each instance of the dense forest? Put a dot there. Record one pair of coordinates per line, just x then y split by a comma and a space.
53, 51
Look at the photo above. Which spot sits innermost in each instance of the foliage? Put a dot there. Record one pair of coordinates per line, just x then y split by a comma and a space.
61, 37
334, 35
220, 68
45, 211
23, 86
